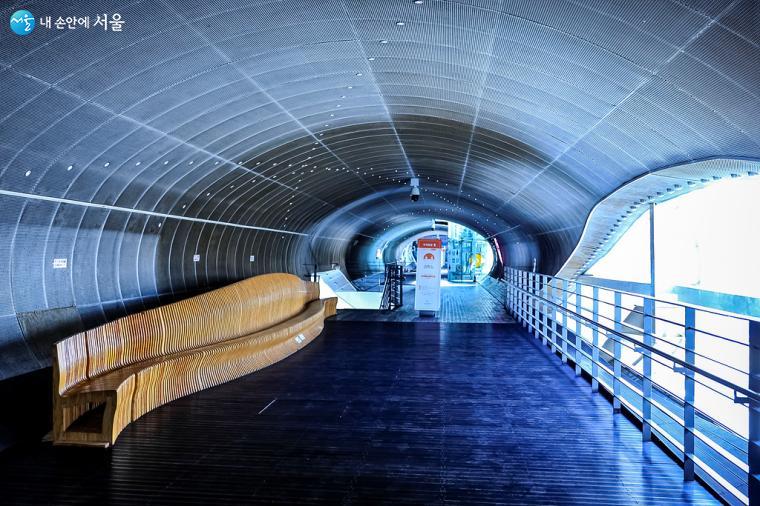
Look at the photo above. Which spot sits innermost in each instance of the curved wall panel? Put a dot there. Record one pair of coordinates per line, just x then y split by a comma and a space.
288, 131
116, 263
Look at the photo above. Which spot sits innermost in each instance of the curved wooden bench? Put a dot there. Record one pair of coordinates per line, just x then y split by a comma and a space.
108, 377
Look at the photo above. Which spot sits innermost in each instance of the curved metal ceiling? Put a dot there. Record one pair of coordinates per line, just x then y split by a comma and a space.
233, 128
614, 215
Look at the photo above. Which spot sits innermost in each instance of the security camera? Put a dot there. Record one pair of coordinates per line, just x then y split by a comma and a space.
415, 184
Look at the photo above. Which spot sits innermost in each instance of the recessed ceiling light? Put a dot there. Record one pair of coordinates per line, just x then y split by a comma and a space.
371, 58
400, 23
419, 2
69, 167
359, 74
350, 88
383, 41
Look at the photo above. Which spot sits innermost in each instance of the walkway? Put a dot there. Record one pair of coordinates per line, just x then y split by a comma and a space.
460, 303
387, 413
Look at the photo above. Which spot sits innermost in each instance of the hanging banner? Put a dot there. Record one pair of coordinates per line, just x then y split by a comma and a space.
427, 295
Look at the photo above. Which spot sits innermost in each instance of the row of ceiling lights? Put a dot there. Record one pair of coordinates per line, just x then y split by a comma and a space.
358, 74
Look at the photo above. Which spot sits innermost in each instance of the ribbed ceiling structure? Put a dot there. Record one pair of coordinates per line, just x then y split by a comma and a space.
212, 140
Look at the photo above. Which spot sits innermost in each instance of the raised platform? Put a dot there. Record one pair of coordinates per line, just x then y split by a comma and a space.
373, 413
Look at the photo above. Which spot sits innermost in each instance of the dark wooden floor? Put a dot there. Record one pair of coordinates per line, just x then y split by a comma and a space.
371, 413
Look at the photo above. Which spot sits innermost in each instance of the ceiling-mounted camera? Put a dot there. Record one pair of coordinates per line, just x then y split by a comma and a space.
415, 184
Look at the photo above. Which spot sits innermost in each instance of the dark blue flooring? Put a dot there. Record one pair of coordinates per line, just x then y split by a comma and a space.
728, 440
418, 413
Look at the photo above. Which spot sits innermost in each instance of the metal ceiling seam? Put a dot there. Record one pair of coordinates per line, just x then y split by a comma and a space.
59, 200
360, 45
563, 32
686, 125
721, 115
479, 101
256, 85
159, 132
678, 51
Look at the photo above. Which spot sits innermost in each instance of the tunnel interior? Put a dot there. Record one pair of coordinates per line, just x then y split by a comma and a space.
186, 152
203, 143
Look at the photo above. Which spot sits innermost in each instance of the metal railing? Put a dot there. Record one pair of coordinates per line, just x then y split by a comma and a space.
393, 291
690, 375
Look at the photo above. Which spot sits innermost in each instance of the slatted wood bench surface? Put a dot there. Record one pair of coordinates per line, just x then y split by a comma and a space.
108, 377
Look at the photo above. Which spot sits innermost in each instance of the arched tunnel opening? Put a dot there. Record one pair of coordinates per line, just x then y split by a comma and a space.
335, 251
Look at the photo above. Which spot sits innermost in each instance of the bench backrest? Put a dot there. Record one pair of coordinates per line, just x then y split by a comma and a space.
236, 310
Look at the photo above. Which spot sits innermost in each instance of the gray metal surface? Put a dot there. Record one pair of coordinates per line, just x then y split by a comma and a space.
286, 130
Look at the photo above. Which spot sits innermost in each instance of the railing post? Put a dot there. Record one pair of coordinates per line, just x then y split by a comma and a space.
545, 306
595, 340
689, 325
516, 295
753, 443
578, 345
401, 284
536, 305
617, 347
564, 321
646, 384
506, 290
529, 290
523, 298
553, 339
526, 299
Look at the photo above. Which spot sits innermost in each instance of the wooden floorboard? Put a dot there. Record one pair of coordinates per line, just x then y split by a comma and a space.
425, 413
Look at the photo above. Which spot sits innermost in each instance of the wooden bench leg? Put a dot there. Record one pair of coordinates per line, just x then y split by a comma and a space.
93, 419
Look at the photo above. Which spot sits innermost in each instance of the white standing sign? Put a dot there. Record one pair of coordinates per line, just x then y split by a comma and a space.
427, 295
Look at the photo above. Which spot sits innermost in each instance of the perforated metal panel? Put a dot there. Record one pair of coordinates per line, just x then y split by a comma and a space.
288, 129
